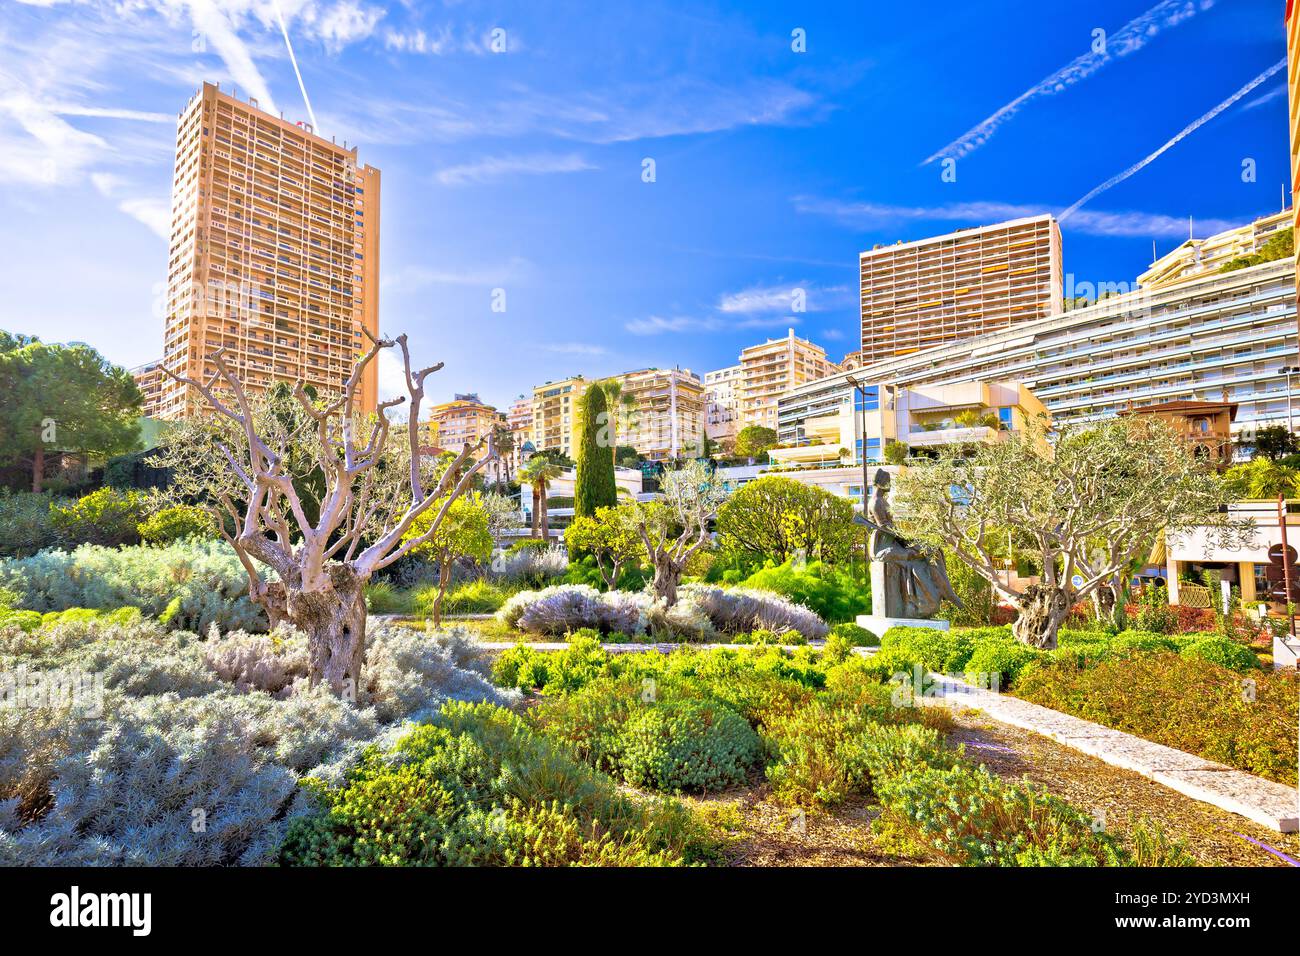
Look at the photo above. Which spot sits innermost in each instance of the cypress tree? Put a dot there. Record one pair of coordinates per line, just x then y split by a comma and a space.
594, 485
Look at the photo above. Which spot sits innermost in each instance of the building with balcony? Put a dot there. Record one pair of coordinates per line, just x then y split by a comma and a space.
465, 420
665, 418
555, 415
273, 256
1205, 426
769, 370
1209, 336
828, 427
916, 295
149, 378
1293, 92
721, 404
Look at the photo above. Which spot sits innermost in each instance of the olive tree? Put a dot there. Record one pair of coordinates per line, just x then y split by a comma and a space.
1085, 509
245, 463
611, 536
676, 526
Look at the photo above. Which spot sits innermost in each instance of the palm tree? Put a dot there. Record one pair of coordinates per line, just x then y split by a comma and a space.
504, 439
621, 409
540, 472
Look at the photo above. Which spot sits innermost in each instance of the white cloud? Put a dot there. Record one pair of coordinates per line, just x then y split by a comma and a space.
658, 324
1128, 39
154, 213
1274, 93
875, 216
780, 298
492, 168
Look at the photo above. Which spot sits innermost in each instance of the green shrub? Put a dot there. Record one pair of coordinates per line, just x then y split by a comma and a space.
28, 527
1183, 701
479, 787
854, 635
176, 524
474, 597
383, 598
930, 648
1224, 652
569, 670
1134, 640
678, 745
107, 517
832, 593
1003, 658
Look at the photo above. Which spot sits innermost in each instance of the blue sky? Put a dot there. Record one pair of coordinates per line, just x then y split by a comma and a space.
522, 170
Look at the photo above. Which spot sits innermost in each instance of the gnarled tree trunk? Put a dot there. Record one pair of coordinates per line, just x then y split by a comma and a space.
1043, 609
668, 573
334, 620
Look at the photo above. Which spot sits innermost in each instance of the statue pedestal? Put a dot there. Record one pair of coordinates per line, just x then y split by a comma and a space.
878, 624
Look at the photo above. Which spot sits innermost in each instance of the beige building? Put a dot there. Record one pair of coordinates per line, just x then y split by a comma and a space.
519, 419
1197, 257
962, 284
666, 417
831, 424
555, 414
721, 404
770, 370
150, 379
462, 421
274, 253
1293, 90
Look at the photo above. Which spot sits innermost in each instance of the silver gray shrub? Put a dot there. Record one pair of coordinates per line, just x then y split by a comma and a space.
186, 727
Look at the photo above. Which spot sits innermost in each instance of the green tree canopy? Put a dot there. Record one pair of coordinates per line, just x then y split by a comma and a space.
610, 536
594, 483
754, 441
1261, 478
1275, 441
463, 532
62, 398
776, 517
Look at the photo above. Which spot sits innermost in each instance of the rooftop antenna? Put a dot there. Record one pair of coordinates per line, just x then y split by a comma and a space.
1190, 234
1154, 257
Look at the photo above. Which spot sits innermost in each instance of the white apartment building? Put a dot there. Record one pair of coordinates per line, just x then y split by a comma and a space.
721, 405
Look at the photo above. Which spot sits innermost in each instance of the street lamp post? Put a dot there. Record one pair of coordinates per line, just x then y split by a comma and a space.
860, 400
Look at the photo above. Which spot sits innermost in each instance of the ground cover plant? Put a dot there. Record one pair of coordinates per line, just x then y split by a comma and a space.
131, 744
829, 732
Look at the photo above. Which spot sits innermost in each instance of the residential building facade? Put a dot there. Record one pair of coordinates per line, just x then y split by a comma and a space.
465, 420
1209, 336
721, 404
916, 295
770, 370
665, 420
150, 379
555, 414
273, 256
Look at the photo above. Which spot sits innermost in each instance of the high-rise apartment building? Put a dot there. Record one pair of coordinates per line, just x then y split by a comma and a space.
555, 414
919, 294
721, 405
665, 420
770, 370
1195, 335
274, 253
462, 421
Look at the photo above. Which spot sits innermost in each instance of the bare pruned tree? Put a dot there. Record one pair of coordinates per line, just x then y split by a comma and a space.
296, 490
675, 527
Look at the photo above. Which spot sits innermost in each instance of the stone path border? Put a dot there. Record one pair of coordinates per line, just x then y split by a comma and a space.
1266, 802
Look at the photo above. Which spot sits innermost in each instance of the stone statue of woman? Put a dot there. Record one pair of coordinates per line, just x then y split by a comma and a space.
907, 580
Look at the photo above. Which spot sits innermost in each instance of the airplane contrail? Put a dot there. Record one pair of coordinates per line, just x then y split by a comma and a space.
294, 60
1187, 131
1128, 39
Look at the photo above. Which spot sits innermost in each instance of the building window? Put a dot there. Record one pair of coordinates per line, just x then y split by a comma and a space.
873, 450
866, 399
1004, 416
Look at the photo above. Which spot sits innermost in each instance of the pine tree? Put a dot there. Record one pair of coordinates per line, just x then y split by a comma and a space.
594, 485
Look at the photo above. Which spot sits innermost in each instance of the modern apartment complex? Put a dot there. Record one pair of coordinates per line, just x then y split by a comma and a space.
519, 419
274, 253
665, 420
462, 421
555, 414
1202, 256
830, 426
769, 370
150, 380
916, 295
1293, 91
1198, 334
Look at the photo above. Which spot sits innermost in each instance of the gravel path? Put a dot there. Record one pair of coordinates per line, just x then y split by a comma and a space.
1215, 837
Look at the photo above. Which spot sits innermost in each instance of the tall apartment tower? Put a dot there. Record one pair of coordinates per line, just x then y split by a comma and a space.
770, 370
959, 285
1293, 99
274, 253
